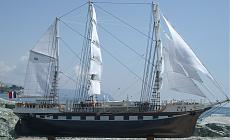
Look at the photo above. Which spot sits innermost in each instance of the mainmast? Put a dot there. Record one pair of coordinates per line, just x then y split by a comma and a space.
158, 69
151, 84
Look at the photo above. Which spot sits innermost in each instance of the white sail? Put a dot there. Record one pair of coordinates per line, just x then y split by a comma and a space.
96, 60
184, 60
46, 43
40, 68
181, 64
177, 81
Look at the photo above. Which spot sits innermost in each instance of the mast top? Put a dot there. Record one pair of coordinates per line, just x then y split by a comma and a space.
155, 2
57, 18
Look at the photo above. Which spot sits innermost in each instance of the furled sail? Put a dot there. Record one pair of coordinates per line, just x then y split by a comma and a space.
181, 64
95, 60
41, 65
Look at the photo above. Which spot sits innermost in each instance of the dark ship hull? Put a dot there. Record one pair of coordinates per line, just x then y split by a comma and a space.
175, 125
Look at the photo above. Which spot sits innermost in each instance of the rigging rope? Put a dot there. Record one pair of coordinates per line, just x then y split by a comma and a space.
123, 43
79, 79
129, 87
124, 22
67, 13
104, 50
146, 92
83, 79
127, 46
68, 76
148, 62
137, 30
149, 79
121, 63
78, 92
212, 110
108, 52
219, 87
68, 46
71, 28
206, 87
125, 3
71, 50
152, 72
143, 88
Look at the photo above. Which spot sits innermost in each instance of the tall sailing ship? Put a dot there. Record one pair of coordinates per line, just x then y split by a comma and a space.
41, 113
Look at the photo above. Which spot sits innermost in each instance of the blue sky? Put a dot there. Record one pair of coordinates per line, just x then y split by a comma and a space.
204, 24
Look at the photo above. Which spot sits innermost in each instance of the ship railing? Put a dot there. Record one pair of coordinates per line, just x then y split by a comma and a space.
71, 106
150, 107
35, 105
98, 106
182, 102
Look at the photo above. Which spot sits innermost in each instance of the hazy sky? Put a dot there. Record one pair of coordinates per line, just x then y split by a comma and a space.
204, 24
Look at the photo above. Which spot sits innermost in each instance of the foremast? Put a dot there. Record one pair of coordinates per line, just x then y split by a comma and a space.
41, 80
